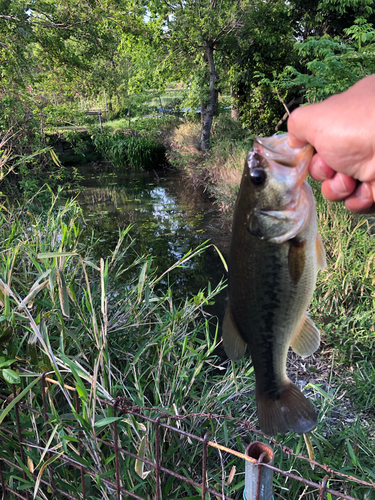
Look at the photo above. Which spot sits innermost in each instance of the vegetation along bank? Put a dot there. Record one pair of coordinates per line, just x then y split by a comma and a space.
185, 85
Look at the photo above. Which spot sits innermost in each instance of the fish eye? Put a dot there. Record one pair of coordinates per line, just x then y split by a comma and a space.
258, 176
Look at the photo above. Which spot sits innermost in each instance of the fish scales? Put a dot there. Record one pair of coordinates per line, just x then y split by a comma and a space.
274, 256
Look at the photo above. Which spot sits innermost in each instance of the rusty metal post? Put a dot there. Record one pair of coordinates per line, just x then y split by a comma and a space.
258, 479
117, 458
157, 458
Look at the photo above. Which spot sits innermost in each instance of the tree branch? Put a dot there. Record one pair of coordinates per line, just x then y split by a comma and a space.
10, 18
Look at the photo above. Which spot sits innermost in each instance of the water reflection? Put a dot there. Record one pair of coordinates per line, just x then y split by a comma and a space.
169, 218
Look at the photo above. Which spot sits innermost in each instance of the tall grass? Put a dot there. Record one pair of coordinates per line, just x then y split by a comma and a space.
107, 329
129, 151
77, 319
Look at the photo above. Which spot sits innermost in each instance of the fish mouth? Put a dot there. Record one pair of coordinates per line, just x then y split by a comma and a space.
276, 148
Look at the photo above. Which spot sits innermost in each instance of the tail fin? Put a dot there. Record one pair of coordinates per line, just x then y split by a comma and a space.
290, 411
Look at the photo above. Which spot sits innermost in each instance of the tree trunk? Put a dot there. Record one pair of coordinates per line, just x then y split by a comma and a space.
209, 107
235, 112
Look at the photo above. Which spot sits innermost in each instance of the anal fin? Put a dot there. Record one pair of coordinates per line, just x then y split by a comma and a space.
307, 339
288, 411
234, 345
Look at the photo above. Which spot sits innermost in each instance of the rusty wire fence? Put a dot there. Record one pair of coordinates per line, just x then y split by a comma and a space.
142, 453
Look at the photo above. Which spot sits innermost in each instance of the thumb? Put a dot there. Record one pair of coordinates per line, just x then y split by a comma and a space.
294, 142
297, 127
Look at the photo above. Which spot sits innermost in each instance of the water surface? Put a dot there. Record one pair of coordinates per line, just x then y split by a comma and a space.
168, 216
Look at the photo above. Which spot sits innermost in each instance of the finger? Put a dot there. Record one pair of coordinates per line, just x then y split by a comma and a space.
319, 169
294, 142
299, 127
339, 187
362, 200
370, 210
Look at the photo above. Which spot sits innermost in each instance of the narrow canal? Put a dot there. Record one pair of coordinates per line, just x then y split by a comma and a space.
168, 217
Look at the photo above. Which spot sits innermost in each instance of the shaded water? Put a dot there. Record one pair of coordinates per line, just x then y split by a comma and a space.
168, 216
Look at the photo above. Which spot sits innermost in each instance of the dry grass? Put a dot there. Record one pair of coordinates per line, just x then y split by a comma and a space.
218, 170
185, 139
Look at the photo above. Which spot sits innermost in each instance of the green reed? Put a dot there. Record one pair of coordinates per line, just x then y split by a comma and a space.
128, 151
108, 329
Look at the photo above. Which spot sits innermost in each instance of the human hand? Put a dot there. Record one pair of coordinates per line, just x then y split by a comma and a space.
342, 131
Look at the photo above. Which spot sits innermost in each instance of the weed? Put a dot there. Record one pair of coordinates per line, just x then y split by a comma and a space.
130, 151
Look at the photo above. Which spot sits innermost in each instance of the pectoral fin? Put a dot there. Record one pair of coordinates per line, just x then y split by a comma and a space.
307, 339
320, 253
234, 345
296, 259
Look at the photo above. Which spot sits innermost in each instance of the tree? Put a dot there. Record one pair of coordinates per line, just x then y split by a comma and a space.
298, 49
333, 64
266, 45
192, 32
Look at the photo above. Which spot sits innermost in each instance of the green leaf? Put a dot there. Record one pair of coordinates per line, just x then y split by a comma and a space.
139, 465
310, 448
11, 376
141, 281
352, 454
14, 401
78, 375
46, 464
63, 294
55, 158
106, 421
49, 255
221, 257
6, 362
81, 392
91, 264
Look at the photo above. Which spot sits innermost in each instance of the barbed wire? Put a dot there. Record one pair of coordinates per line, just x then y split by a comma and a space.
159, 419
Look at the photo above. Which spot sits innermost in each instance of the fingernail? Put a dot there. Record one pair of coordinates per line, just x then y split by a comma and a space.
338, 185
363, 192
321, 170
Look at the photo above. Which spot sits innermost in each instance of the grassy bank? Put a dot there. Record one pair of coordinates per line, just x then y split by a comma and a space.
218, 170
109, 330
106, 329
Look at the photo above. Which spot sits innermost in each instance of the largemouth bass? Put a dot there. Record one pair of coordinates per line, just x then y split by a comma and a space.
274, 257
